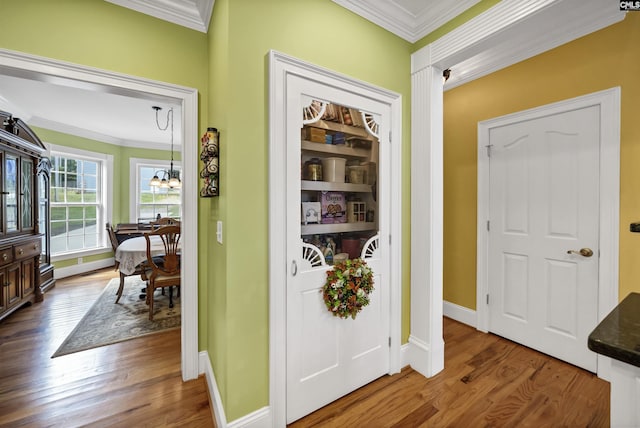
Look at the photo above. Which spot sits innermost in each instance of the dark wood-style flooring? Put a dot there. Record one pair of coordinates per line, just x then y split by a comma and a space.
136, 383
487, 381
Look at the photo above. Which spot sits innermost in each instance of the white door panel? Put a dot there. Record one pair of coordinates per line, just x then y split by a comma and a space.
544, 202
328, 357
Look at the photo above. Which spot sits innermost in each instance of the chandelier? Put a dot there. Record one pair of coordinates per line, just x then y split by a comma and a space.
171, 177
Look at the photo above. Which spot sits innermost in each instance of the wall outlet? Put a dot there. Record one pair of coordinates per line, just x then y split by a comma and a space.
79, 260
219, 231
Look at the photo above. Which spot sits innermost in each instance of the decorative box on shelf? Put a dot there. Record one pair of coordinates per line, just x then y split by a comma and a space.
310, 212
333, 207
356, 212
315, 135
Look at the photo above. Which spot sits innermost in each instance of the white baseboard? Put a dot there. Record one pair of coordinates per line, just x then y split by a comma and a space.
217, 409
82, 268
404, 355
460, 314
261, 418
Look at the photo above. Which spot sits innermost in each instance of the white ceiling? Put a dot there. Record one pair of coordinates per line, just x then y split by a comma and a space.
89, 112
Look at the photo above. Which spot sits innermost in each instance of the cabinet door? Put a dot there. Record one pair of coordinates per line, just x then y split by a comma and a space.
28, 272
26, 194
10, 179
11, 284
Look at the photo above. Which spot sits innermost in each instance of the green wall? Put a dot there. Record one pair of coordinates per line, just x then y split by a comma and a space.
599, 61
243, 32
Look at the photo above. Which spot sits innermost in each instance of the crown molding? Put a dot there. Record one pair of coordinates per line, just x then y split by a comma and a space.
194, 14
510, 32
392, 16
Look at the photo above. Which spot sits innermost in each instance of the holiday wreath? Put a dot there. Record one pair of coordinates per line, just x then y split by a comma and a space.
347, 288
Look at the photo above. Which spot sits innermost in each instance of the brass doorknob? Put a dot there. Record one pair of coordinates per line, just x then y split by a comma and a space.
584, 252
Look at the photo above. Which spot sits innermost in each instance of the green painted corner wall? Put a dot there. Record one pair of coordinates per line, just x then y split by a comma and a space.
602, 60
239, 80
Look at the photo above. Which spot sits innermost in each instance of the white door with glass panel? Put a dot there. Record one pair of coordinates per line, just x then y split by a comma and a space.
543, 238
327, 356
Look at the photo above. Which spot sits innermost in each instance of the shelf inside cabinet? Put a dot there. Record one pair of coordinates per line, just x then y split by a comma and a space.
326, 186
311, 229
339, 127
339, 150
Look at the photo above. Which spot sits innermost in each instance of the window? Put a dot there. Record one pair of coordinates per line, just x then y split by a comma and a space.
151, 201
77, 200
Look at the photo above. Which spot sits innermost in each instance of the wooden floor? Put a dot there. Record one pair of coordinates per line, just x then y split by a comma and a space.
488, 381
135, 383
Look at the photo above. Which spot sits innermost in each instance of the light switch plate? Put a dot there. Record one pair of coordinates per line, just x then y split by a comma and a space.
219, 231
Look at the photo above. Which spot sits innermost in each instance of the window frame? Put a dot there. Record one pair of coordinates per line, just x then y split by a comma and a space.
134, 176
105, 187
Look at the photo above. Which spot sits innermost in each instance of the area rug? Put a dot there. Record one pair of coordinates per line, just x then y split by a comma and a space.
107, 322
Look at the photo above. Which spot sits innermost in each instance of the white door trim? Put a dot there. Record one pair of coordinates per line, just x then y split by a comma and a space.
35, 67
509, 32
609, 103
281, 65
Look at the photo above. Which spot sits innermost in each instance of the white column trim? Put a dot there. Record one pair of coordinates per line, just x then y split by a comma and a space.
39, 68
426, 343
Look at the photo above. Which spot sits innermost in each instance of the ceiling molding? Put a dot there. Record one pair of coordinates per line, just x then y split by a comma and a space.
411, 20
510, 32
194, 14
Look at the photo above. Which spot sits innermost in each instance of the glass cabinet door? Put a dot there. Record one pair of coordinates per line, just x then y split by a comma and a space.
43, 215
26, 193
10, 192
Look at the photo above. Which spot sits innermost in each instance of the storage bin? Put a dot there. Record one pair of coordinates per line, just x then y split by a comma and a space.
315, 135
333, 169
357, 174
351, 246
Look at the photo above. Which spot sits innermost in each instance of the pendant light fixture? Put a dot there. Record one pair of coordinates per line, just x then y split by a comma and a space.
171, 177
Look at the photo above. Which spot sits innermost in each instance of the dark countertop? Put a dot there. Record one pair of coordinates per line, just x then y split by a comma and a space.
618, 335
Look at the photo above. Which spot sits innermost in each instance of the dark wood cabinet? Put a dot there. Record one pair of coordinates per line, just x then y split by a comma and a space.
21, 207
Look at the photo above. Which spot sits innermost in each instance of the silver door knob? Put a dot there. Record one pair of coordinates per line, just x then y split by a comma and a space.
584, 252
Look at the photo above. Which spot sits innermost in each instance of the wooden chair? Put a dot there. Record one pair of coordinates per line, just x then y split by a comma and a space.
140, 270
114, 241
164, 221
165, 273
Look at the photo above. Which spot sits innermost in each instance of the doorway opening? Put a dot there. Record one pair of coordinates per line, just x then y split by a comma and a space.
45, 69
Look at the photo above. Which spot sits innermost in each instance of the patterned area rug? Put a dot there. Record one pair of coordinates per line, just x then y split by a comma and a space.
106, 322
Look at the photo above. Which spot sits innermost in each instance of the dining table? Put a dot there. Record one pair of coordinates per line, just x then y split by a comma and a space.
132, 252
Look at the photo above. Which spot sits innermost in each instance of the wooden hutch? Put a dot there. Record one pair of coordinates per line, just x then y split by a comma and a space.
25, 266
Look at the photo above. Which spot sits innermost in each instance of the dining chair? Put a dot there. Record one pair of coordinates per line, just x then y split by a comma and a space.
165, 272
114, 242
140, 270
164, 221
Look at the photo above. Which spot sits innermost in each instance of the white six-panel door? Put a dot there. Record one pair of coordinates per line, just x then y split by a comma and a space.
544, 209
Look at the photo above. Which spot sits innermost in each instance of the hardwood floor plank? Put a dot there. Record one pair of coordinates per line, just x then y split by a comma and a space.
487, 381
132, 383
